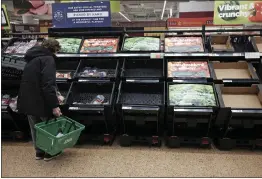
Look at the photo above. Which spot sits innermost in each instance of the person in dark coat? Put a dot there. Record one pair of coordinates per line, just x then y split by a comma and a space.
38, 91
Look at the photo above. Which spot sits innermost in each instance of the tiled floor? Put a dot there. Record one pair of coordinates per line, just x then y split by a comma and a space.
115, 161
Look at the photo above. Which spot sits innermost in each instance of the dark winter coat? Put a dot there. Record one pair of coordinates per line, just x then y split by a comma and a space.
37, 95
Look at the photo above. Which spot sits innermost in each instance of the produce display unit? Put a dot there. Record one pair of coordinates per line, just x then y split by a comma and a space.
14, 125
134, 97
94, 79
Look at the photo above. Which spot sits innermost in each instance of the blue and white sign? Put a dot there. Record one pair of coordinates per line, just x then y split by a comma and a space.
81, 14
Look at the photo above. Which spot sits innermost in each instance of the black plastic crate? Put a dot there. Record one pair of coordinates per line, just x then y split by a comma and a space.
14, 125
109, 66
189, 124
141, 107
99, 119
242, 43
66, 66
142, 68
239, 120
191, 67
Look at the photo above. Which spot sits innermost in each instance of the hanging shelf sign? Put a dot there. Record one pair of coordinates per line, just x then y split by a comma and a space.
81, 14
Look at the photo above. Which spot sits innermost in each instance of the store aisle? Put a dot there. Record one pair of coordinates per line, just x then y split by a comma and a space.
96, 161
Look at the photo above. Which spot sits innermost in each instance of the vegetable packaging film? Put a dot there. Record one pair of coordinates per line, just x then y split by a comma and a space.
69, 45
191, 95
183, 44
188, 69
100, 45
142, 44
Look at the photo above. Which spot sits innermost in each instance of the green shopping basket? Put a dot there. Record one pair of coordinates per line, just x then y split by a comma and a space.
47, 138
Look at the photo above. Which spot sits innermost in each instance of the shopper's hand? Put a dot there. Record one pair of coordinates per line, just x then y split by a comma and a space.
60, 99
57, 112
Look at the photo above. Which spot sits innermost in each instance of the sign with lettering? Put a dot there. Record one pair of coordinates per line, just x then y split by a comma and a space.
81, 14
237, 12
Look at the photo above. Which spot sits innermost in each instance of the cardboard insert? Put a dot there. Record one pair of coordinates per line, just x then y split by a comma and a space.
242, 97
233, 70
258, 42
221, 43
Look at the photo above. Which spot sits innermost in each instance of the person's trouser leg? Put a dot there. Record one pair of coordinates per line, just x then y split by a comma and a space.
32, 121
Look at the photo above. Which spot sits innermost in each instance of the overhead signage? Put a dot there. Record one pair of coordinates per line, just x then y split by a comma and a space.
114, 4
237, 12
189, 22
81, 14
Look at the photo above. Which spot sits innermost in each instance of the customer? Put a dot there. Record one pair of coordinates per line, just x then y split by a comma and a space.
38, 92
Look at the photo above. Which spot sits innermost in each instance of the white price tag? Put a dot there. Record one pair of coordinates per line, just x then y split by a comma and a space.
82, 80
237, 111
227, 81
126, 107
130, 80
252, 55
83, 55
156, 55
73, 108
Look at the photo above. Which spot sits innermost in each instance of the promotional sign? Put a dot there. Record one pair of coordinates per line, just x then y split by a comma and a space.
5, 24
82, 14
189, 22
32, 7
114, 4
237, 12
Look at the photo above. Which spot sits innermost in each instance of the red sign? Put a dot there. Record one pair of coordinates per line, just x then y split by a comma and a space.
189, 22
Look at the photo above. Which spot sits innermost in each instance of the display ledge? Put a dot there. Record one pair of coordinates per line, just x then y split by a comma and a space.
248, 55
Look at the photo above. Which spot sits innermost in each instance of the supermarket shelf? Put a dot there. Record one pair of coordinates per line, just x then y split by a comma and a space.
115, 55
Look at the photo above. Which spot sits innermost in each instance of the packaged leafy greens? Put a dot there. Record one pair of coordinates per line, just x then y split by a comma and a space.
69, 45
191, 95
142, 44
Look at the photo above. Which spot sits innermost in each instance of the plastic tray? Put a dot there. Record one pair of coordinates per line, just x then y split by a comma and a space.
104, 65
143, 68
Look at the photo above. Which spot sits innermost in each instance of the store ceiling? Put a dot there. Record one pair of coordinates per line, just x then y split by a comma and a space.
132, 10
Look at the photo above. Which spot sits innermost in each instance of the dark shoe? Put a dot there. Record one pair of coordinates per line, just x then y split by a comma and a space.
51, 157
39, 156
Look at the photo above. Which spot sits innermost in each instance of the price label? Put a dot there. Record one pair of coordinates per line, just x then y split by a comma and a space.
227, 81
82, 80
83, 55
130, 80
157, 55
126, 107
252, 55
237, 111
73, 108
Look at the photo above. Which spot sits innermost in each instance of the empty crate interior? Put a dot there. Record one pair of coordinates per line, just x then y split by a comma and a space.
242, 43
258, 41
143, 68
242, 97
63, 88
142, 94
66, 66
221, 43
109, 67
86, 93
233, 70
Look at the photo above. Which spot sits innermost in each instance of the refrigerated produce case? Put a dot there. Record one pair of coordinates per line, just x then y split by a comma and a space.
136, 88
